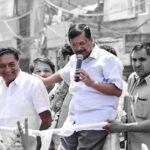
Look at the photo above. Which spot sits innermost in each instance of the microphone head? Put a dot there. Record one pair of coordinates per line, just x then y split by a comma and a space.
80, 56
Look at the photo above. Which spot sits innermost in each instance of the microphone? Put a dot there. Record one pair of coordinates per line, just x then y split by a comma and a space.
78, 65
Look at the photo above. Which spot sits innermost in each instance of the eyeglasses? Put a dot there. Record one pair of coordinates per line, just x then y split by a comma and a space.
80, 44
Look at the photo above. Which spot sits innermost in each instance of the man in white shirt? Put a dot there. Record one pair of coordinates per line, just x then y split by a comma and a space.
21, 95
95, 96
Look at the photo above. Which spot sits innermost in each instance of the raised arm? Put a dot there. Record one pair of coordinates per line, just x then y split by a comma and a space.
51, 79
28, 141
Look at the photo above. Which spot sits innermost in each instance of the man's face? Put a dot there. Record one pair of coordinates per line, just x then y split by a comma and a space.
9, 67
141, 63
42, 69
81, 45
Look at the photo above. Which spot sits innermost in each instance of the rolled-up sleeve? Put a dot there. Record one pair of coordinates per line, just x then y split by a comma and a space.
112, 71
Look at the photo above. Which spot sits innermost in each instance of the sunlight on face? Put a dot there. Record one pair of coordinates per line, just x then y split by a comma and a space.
9, 67
42, 69
141, 63
81, 45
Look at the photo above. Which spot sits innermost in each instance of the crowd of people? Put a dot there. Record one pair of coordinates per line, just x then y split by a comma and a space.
49, 99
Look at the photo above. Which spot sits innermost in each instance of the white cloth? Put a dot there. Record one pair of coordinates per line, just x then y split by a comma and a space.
89, 105
46, 135
112, 142
25, 97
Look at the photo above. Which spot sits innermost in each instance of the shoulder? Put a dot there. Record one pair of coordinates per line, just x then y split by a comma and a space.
72, 58
29, 79
103, 54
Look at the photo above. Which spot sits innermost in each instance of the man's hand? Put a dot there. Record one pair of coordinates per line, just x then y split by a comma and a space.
28, 141
114, 126
84, 77
41, 78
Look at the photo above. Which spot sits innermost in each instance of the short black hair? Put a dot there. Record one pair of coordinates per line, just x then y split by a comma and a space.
66, 50
77, 29
10, 50
44, 60
145, 45
109, 48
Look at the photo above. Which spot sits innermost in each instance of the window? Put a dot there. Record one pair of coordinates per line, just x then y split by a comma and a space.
141, 6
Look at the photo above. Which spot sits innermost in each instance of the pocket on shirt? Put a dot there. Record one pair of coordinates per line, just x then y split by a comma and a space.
142, 108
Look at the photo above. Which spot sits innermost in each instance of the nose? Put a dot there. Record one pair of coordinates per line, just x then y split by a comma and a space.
138, 63
78, 49
43, 74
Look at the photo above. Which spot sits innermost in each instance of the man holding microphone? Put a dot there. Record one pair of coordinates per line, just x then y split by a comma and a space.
95, 84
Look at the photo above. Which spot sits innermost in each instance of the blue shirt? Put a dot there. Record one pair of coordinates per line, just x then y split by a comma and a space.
89, 105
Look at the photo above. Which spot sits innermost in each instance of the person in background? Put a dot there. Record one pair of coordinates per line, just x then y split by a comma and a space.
138, 114
117, 141
59, 96
59, 92
121, 113
109, 49
43, 67
21, 95
95, 96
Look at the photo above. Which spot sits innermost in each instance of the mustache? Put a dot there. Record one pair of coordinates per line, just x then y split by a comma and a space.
80, 53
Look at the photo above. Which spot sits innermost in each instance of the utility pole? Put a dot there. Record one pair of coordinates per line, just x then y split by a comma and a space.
22, 7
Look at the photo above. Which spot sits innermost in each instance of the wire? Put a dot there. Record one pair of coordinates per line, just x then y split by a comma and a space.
70, 12
51, 4
96, 14
10, 29
145, 22
48, 27
25, 14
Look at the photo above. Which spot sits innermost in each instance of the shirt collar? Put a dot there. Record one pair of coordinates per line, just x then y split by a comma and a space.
1, 80
19, 78
94, 52
17, 81
147, 79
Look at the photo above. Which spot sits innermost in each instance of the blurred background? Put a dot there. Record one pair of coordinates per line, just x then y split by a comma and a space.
39, 27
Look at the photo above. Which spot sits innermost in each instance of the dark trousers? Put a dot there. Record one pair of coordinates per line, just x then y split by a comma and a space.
85, 140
